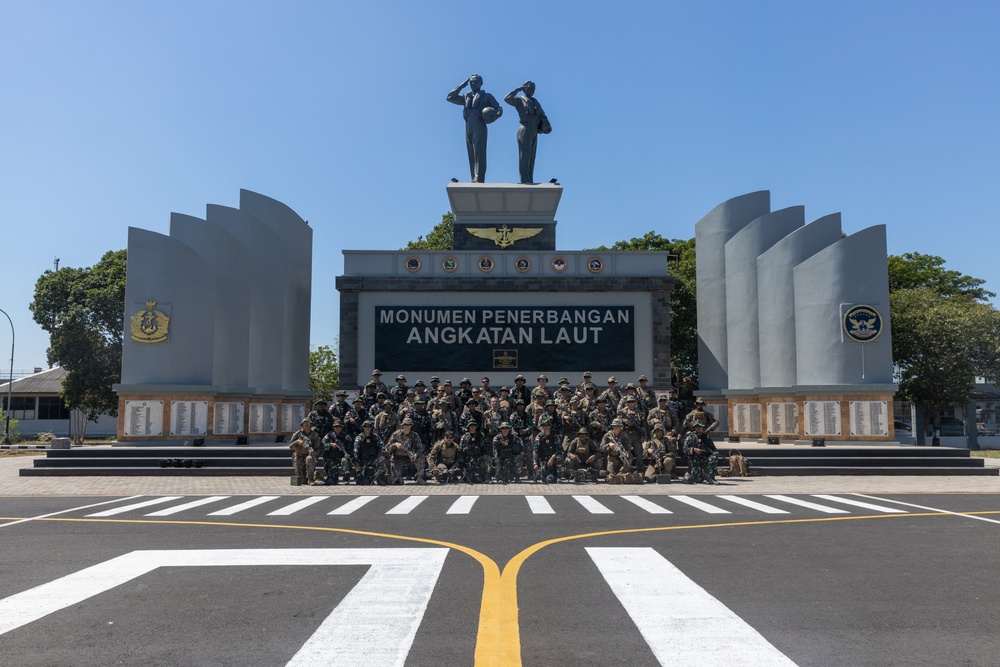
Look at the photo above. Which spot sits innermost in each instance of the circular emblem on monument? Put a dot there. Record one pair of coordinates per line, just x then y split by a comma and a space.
449, 264
595, 264
523, 264
559, 264
412, 264
486, 264
862, 324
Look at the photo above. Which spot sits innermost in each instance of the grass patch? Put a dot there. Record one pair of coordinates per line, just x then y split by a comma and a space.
9, 453
987, 453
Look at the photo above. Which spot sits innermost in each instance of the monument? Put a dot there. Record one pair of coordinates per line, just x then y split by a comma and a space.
217, 325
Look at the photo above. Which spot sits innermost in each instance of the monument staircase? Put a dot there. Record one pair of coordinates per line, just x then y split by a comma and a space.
258, 460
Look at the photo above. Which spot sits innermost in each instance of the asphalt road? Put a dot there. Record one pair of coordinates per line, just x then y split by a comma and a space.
500, 580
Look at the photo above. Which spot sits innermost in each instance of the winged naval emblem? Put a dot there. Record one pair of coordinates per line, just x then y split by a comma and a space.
504, 236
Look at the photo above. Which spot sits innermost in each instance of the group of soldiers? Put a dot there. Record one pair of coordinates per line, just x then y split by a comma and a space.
480, 434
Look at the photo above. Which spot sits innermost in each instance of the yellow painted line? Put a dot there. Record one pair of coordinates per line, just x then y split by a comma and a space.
498, 640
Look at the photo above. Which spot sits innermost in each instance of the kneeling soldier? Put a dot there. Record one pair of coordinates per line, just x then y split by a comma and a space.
304, 445
443, 459
547, 453
405, 447
582, 456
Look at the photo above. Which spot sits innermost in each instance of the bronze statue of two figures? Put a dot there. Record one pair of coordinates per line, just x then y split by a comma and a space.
479, 109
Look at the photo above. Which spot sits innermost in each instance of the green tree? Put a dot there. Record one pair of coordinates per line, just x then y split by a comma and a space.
683, 303
3, 423
914, 270
83, 310
944, 334
442, 237
324, 373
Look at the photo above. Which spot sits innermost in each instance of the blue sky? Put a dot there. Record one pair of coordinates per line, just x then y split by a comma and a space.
119, 113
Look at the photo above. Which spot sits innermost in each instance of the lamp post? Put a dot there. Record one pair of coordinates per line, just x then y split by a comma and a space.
10, 381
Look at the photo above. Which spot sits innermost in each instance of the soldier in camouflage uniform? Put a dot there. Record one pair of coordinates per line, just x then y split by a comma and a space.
377, 382
472, 413
506, 404
507, 449
385, 418
678, 409
661, 415
305, 446
542, 388
493, 417
582, 455
520, 390
634, 426
486, 390
617, 449
599, 420
443, 459
398, 393
613, 394
423, 424
337, 449
700, 414
520, 421
343, 411
547, 453
702, 455
404, 447
555, 422
360, 413
465, 391
647, 397
476, 451
420, 391
368, 448
444, 419
321, 418
660, 451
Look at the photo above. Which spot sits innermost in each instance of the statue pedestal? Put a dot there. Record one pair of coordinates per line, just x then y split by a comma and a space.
487, 207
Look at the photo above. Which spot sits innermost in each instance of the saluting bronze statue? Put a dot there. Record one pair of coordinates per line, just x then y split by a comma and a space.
479, 110
533, 123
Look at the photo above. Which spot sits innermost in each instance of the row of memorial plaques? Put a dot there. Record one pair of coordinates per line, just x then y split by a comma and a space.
822, 418
190, 418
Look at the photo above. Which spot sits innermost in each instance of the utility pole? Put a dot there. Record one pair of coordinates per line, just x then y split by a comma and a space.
10, 381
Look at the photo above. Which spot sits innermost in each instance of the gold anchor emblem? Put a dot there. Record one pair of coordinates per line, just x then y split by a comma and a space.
504, 236
149, 326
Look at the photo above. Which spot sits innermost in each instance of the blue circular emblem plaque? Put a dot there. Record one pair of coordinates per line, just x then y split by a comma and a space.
486, 264
595, 265
449, 264
862, 324
523, 264
412, 264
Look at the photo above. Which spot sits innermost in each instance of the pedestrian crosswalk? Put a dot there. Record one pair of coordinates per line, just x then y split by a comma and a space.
531, 505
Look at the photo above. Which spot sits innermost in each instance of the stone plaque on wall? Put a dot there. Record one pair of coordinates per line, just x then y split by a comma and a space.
143, 418
783, 418
822, 418
746, 417
721, 412
229, 418
188, 417
292, 415
869, 418
263, 418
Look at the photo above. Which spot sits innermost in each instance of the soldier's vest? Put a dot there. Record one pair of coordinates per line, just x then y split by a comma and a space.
506, 448
473, 445
448, 455
367, 447
547, 446
582, 449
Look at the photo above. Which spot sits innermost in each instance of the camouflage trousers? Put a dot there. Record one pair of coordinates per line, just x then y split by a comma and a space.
702, 468
399, 464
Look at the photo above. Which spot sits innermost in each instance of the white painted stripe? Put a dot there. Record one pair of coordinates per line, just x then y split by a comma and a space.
930, 509
647, 505
352, 506
296, 506
703, 506
808, 505
463, 505
858, 503
539, 505
680, 621
761, 507
229, 511
135, 506
407, 505
186, 506
374, 624
72, 509
592, 505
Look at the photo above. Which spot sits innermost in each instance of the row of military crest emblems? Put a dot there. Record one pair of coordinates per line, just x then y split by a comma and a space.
149, 325
486, 264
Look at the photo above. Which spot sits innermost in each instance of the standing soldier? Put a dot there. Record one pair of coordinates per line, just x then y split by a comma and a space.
700, 414
385, 418
465, 391
505, 401
321, 418
377, 381
398, 393
647, 397
520, 390
342, 410
506, 450
678, 409
547, 453
634, 427
582, 455
613, 394
486, 390
423, 425
617, 449
367, 451
600, 419
542, 388
444, 419
337, 448
475, 452
520, 421
420, 391
493, 417
305, 446
405, 447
